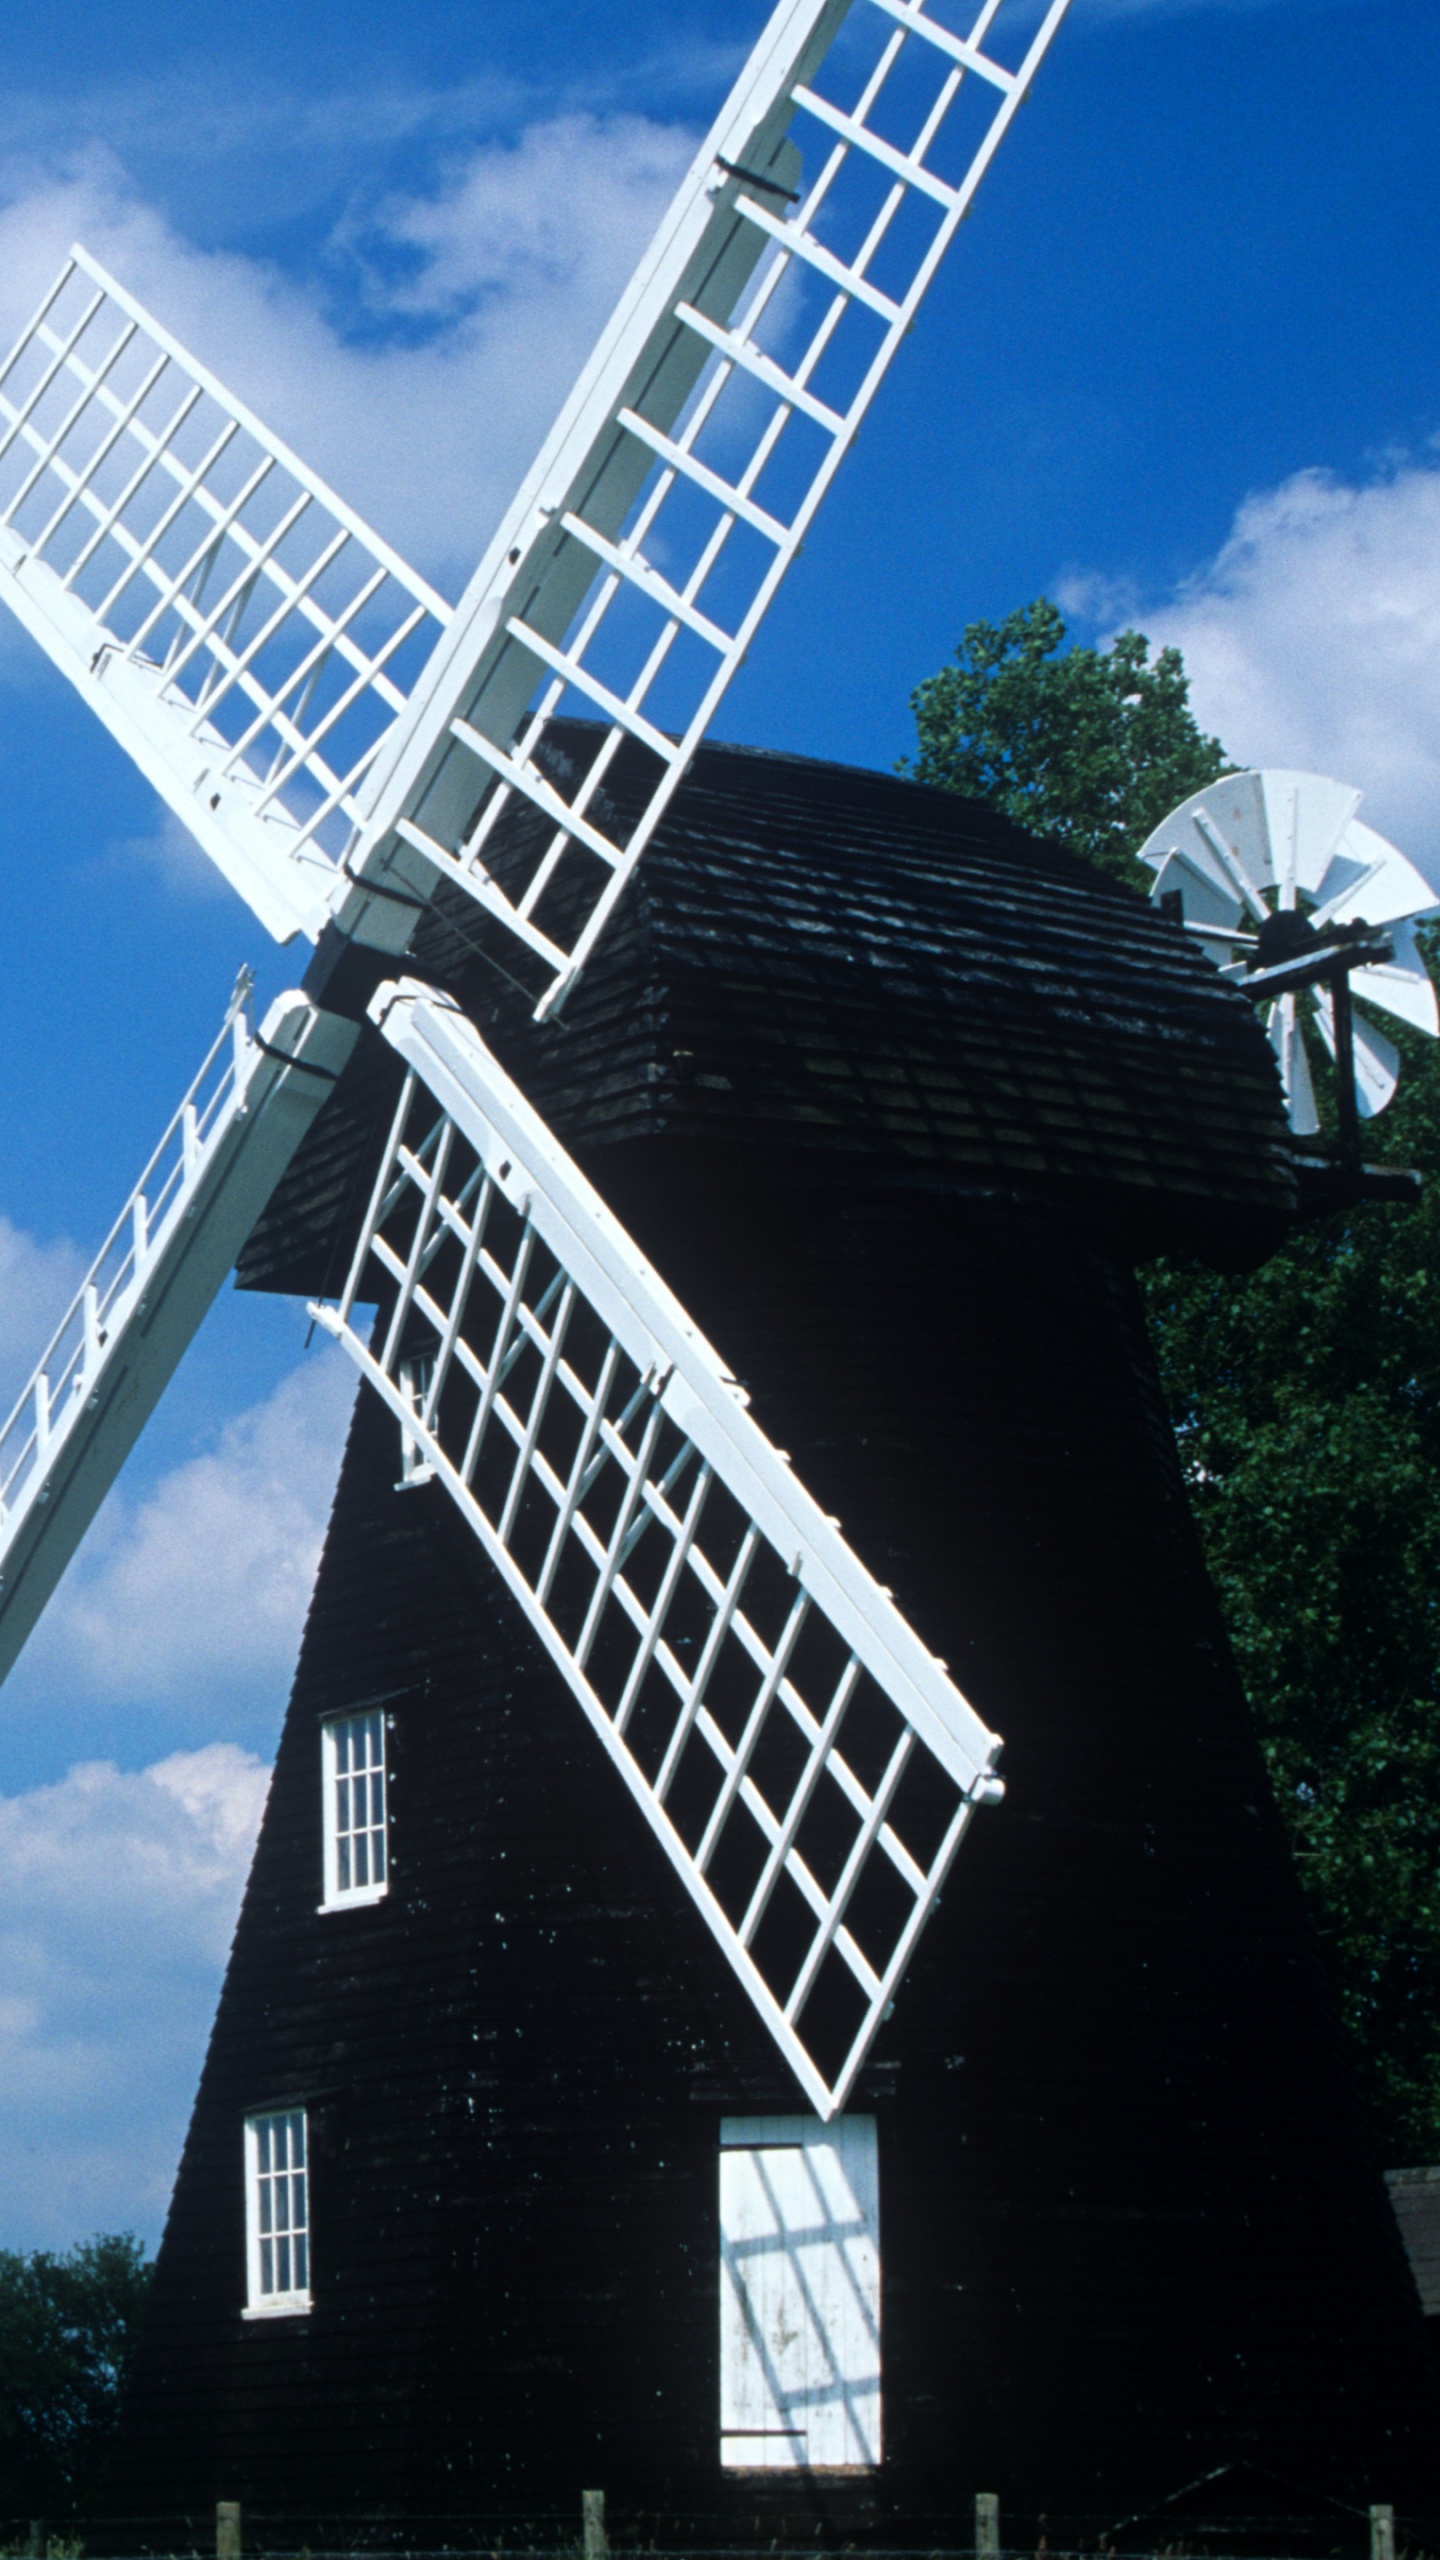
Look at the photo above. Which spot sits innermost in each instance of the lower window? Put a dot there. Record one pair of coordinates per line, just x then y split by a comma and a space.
799, 2294
277, 2212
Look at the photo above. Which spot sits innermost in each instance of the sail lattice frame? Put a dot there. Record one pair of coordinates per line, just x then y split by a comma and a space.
806, 1763
335, 737
150, 1285
629, 579
243, 634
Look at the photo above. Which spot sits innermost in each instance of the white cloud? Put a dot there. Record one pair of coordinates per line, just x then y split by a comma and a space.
504, 224
1313, 639
478, 302
37, 1283
198, 1592
171, 855
118, 1896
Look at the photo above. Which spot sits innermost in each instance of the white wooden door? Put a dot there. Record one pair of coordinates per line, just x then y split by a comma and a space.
799, 2293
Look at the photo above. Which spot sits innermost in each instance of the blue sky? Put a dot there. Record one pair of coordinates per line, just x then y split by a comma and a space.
1182, 368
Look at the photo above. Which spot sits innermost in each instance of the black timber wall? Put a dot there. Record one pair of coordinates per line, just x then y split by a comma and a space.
1130, 2225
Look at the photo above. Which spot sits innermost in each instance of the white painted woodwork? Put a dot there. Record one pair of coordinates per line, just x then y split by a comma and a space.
800, 2374
1253, 844
806, 1762
355, 1810
334, 737
632, 573
150, 1285
239, 630
277, 2214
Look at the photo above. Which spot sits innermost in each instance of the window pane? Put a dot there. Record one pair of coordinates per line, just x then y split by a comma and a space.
276, 2206
357, 1847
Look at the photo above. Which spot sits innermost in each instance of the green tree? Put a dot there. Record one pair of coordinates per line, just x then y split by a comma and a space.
1092, 746
67, 2326
1305, 1395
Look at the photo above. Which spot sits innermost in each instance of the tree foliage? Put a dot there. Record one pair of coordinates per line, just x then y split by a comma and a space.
67, 2325
1093, 746
1305, 1395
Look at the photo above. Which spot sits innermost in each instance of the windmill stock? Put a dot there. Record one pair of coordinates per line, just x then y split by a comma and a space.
341, 743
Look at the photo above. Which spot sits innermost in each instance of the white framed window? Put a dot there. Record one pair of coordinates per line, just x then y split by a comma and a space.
354, 1793
277, 2213
799, 2294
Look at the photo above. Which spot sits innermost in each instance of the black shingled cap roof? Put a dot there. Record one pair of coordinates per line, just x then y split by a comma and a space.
830, 961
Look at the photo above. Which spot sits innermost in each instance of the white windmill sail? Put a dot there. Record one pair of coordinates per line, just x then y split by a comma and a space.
1259, 844
242, 634
807, 1765
144, 1296
264, 656
632, 572
339, 742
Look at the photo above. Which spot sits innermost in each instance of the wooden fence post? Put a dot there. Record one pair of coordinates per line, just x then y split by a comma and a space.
227, 2529
37, 2538
592, 2513
987, 2524
1382, 2533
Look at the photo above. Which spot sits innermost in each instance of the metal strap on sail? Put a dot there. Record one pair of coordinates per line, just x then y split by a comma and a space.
144, 1296
246, 638
804, 1760
631, 575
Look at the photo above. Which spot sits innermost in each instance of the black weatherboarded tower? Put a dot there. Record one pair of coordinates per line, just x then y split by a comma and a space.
496, 2185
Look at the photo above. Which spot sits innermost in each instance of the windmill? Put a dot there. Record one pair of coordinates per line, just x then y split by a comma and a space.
340, 743
1304, 907
557, 1488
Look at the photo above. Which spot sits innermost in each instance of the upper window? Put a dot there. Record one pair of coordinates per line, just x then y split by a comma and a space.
799, 2294
352, 1759
277, 2212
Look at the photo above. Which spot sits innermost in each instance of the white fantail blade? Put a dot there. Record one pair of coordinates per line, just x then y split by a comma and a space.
631, 574
1276, 830
1377, 1060
805, 1762
1367, 879
1287, 1039
1286, 840
151, 1283
238, 629
1401, 986
1222, 833
1208, 900
1209, 895
1305, 816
